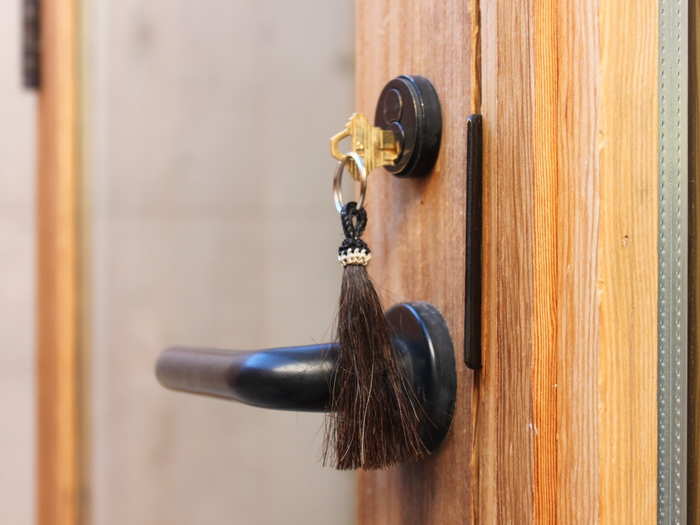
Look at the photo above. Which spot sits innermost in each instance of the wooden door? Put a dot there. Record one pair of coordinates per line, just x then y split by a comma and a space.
560, 424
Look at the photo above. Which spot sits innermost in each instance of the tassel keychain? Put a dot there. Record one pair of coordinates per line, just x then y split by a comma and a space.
374, 414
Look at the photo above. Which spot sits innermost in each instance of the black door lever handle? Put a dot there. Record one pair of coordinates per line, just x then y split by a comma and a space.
294, 378
299, 378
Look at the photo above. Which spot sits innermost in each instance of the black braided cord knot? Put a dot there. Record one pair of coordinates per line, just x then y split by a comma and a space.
353, 250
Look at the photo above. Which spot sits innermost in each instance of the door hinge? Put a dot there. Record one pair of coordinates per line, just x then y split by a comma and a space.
31, 44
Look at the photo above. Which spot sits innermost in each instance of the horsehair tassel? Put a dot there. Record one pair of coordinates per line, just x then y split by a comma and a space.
374, 414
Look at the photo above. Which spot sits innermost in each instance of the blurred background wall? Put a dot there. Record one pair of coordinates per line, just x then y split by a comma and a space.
211, 224
17, 118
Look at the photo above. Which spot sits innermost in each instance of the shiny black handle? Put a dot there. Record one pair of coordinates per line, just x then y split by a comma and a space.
294, 378
299, 378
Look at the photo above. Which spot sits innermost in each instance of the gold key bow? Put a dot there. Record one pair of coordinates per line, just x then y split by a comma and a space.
377, 146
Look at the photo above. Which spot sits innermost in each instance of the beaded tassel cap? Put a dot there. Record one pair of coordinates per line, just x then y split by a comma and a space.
374, 414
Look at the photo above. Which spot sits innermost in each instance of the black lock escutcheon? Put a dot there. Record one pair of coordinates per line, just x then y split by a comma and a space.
409, 107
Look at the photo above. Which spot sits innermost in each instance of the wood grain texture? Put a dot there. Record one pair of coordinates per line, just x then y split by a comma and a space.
545, 25
416, 230
560, 425
505, 431
59, 462
575, 229
627, 261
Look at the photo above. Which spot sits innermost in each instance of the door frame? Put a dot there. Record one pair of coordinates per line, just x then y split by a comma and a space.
61, 464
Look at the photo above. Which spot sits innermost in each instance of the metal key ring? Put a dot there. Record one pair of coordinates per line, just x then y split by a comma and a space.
338, 180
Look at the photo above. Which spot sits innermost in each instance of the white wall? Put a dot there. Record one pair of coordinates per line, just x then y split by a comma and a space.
207, 157
17, 120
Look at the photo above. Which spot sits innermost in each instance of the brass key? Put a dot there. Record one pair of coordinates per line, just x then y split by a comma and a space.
377, 146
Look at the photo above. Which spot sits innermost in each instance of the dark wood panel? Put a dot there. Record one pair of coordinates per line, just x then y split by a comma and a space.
416, 231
